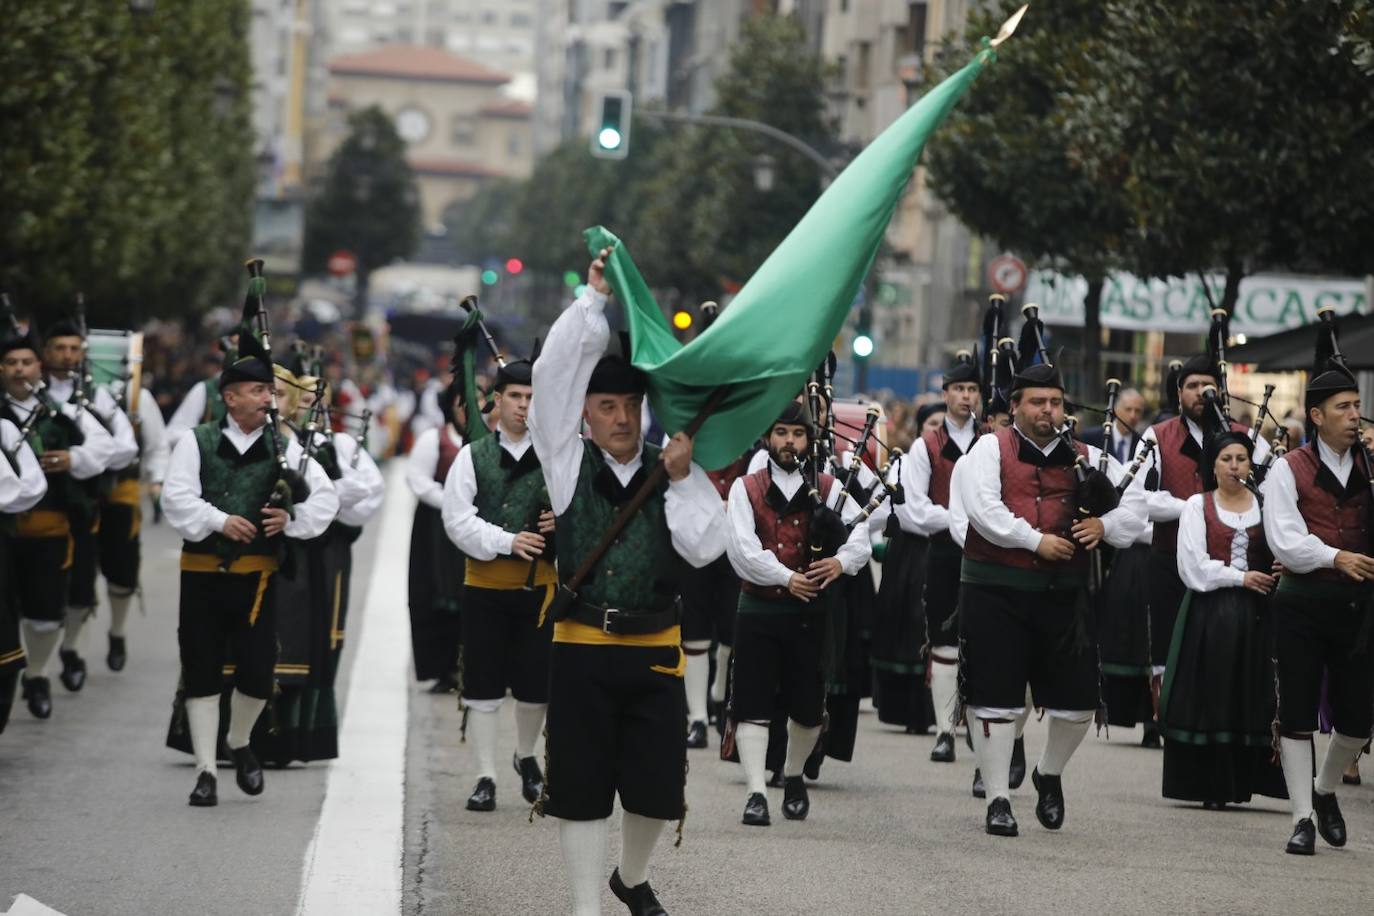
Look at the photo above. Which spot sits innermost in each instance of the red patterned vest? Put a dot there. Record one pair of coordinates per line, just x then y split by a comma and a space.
725, 478
941, 466
785, 536
1044, 497
1220, 535
1342, 521
1178, 473
448, 453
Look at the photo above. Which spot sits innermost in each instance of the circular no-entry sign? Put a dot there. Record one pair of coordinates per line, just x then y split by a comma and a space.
1007, 274
342, 263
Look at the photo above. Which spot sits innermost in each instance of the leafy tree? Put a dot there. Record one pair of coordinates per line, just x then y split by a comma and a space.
1239, 133
1008, 161
369, 204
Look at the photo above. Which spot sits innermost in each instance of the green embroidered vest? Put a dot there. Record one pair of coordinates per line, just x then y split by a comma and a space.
214, 402
511, 496
641, 570
236, 484
58, 434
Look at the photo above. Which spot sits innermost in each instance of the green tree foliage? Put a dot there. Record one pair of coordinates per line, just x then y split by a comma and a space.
1009, 164
1239, 132
126, 170
369, 204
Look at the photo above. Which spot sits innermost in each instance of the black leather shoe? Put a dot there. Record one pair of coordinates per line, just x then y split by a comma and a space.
1151, 738
247, 770
73, 675
640, 899
979, 790
1303, 842
1049, 810
1018, 764
696, 735
205, 794
943, 751
1349, 780
483, 797
796, 803
756, 811
1330, 824
775, 780
811, 769
1000, 822
9, 685
444, 685
531, 778
118, 654
38, 696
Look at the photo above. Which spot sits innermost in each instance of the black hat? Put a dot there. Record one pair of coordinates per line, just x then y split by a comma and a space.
26, 341
1041, 375
1214, 445
1329, 374
516, 372
63, 327
925, 411
963, 370
615, 375
252, 364
1202, 364
1332, 381
795, 413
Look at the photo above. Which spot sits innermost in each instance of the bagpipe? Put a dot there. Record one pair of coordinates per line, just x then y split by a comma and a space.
26, 428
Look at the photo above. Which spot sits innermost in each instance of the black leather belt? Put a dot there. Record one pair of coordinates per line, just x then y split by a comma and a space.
617, 622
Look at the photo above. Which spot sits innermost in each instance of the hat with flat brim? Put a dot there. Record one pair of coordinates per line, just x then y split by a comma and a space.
1041, 375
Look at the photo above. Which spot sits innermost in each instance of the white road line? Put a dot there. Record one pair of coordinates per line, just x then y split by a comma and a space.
353, 863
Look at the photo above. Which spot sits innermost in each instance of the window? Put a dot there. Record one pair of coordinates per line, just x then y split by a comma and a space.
864, 64
464, 130
521, 20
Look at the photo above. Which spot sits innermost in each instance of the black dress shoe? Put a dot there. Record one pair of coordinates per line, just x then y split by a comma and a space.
1347, 779
73, 670
696, 735
979, 790
1303, 842
796, 803
247, 770
118, 654
1330, 824
38, 696
756, 811
943, 751
640, 899
531, 778
775, 780
204, 795
9, 685
1000, 822
1151, 738
483, 797
1049, 810
1018, 764
444, 685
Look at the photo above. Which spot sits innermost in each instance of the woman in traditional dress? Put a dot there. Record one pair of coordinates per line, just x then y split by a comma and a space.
1217, 703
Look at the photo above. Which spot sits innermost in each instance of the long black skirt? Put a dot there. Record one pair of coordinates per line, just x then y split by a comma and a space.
436, 588
1217, 704
897, 660
1123, 636
850, 671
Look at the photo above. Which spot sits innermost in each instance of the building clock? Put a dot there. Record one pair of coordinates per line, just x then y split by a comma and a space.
412, 124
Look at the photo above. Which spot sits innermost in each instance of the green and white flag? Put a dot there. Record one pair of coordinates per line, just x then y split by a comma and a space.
782, 323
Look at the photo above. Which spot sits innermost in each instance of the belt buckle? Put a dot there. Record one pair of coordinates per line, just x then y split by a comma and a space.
610, 614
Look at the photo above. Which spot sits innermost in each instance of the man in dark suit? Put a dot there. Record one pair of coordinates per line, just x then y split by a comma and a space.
1130, 407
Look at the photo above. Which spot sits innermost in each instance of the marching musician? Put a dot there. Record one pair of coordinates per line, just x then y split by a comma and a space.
75, 449
22, 485
1317, 510
203, 402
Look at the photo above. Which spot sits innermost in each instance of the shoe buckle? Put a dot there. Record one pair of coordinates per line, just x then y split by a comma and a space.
608, 619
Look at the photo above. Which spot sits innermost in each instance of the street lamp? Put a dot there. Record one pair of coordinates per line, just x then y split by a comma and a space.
765, 173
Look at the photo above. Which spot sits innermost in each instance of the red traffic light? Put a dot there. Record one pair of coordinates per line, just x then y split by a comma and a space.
514, 266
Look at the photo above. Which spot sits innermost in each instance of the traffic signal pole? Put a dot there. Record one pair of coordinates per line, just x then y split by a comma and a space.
827, 167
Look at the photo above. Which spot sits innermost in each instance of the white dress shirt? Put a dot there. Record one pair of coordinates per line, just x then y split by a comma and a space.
755, 563
93, 455
427, 414
1293, 545
195, 519
692, 507
108, 414
981, 496
918, 514
188, 414
152, 431
476, 537
958, 518
20, 490
360, 489
423, 462
1196, 567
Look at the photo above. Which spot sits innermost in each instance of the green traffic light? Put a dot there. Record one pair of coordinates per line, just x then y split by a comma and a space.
571, 279
490, 277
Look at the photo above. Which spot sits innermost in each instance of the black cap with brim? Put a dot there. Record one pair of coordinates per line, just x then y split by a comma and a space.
1041, 375
795, 413
26, 341
246, 369
961, 372
1330, 382
615, 375
1202, 364
63, 327
926, 411
517, 372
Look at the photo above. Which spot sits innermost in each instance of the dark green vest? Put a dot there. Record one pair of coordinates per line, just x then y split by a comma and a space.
510, 493
236, 484
58, 434
641, 570
214, 402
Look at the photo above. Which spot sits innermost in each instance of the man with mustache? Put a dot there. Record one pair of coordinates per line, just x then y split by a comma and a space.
1022, 616
220, 479
1317, 522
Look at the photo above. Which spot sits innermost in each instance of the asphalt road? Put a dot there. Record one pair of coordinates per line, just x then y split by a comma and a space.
95, 821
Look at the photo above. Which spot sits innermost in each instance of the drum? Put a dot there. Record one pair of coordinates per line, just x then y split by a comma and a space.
116, 361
